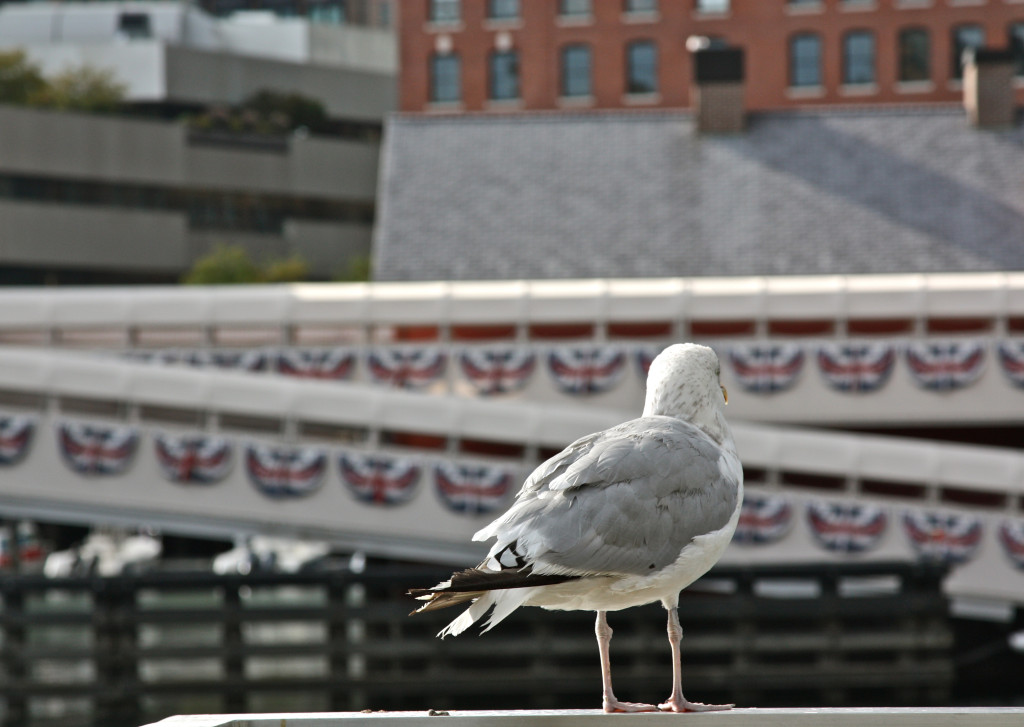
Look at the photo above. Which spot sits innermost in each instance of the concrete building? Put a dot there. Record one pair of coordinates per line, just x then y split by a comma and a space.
100, 199
511, 55
165, 53
93, 199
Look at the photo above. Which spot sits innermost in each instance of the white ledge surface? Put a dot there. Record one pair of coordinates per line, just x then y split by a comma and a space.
855, 717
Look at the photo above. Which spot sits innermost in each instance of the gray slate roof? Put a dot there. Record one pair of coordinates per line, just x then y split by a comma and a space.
642, 195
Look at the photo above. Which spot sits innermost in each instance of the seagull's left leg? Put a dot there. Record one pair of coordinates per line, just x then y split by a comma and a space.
677, 702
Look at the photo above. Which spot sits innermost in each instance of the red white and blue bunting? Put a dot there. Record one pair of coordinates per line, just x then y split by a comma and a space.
498, 371
193, 458
766, 368
764, 519
15, 437
91, 449
581, 371
1011, 359
1011, 536
644, 358
856, 367
285, 472
472, 489
406, 368
331, 363
946, 366
848, 528
379, 479
943, 537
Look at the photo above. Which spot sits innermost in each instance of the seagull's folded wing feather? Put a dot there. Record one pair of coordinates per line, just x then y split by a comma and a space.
624, 501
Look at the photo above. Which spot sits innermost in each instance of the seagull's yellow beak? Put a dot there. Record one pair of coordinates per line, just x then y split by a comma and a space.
725, 394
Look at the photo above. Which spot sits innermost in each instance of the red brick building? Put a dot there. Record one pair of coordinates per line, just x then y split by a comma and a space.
507, 55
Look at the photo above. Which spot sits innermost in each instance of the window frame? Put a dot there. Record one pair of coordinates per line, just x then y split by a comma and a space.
565, 71
794, 60
437, 58
904, 49
852, 57
631, 67
958, 48
493, 67
438, 16
495, 12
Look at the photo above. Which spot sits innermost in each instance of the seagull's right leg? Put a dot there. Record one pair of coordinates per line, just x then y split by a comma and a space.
608, 700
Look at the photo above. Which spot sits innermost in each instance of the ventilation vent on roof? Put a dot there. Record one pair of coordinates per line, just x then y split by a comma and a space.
718, 88
988, 87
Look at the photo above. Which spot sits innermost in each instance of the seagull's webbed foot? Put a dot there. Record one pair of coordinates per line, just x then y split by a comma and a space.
685, 705
614, 705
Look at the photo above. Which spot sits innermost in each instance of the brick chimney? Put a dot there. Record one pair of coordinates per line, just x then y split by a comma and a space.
718, 88
988, 87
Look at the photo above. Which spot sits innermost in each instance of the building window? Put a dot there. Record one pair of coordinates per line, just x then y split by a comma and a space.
576, 70
445, 78
502, 9
641, 6
134, 25
712, 6
574, 7
805, 60
444, 11
504, 75
1016, 45
964, 37
859, 57
641, 67
915, 56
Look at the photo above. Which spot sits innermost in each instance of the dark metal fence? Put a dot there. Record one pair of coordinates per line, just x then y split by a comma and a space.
136, 648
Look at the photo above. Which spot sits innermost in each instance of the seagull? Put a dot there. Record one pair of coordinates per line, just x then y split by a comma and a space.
620, 518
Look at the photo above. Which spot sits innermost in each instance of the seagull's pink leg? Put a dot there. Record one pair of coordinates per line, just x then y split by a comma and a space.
608, 700
677, 702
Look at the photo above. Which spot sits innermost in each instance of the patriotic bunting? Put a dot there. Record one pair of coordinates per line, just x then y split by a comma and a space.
253, 360
1011, 358
764, 520
1011, 535
471, 490
15, 437
856, 367
408, 368
845, 527
96, 450
333, 363
498, 371
285, 472
942, 537
946, 366
197, 459
766, 368
580, 371
379, 480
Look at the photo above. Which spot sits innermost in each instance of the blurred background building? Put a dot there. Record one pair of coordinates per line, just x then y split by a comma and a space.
240, 482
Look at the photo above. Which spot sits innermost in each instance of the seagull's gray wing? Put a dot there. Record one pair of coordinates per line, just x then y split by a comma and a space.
626, 500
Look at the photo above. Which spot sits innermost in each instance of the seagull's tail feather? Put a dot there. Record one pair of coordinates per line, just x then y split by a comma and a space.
505, 590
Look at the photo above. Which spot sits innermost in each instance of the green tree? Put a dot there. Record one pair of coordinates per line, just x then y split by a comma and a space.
289, 270
20, 80
356, 270
85, 88
224, 264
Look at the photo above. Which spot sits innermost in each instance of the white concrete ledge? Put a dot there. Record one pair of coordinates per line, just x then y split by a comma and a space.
859, 717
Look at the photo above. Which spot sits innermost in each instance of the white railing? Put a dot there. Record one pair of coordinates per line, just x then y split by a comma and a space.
836, 305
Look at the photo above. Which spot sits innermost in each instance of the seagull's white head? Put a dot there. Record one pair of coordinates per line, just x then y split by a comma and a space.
683, 382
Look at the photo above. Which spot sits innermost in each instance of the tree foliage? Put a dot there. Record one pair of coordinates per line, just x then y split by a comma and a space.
265, 112
83, 88
20, 80
231, 264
